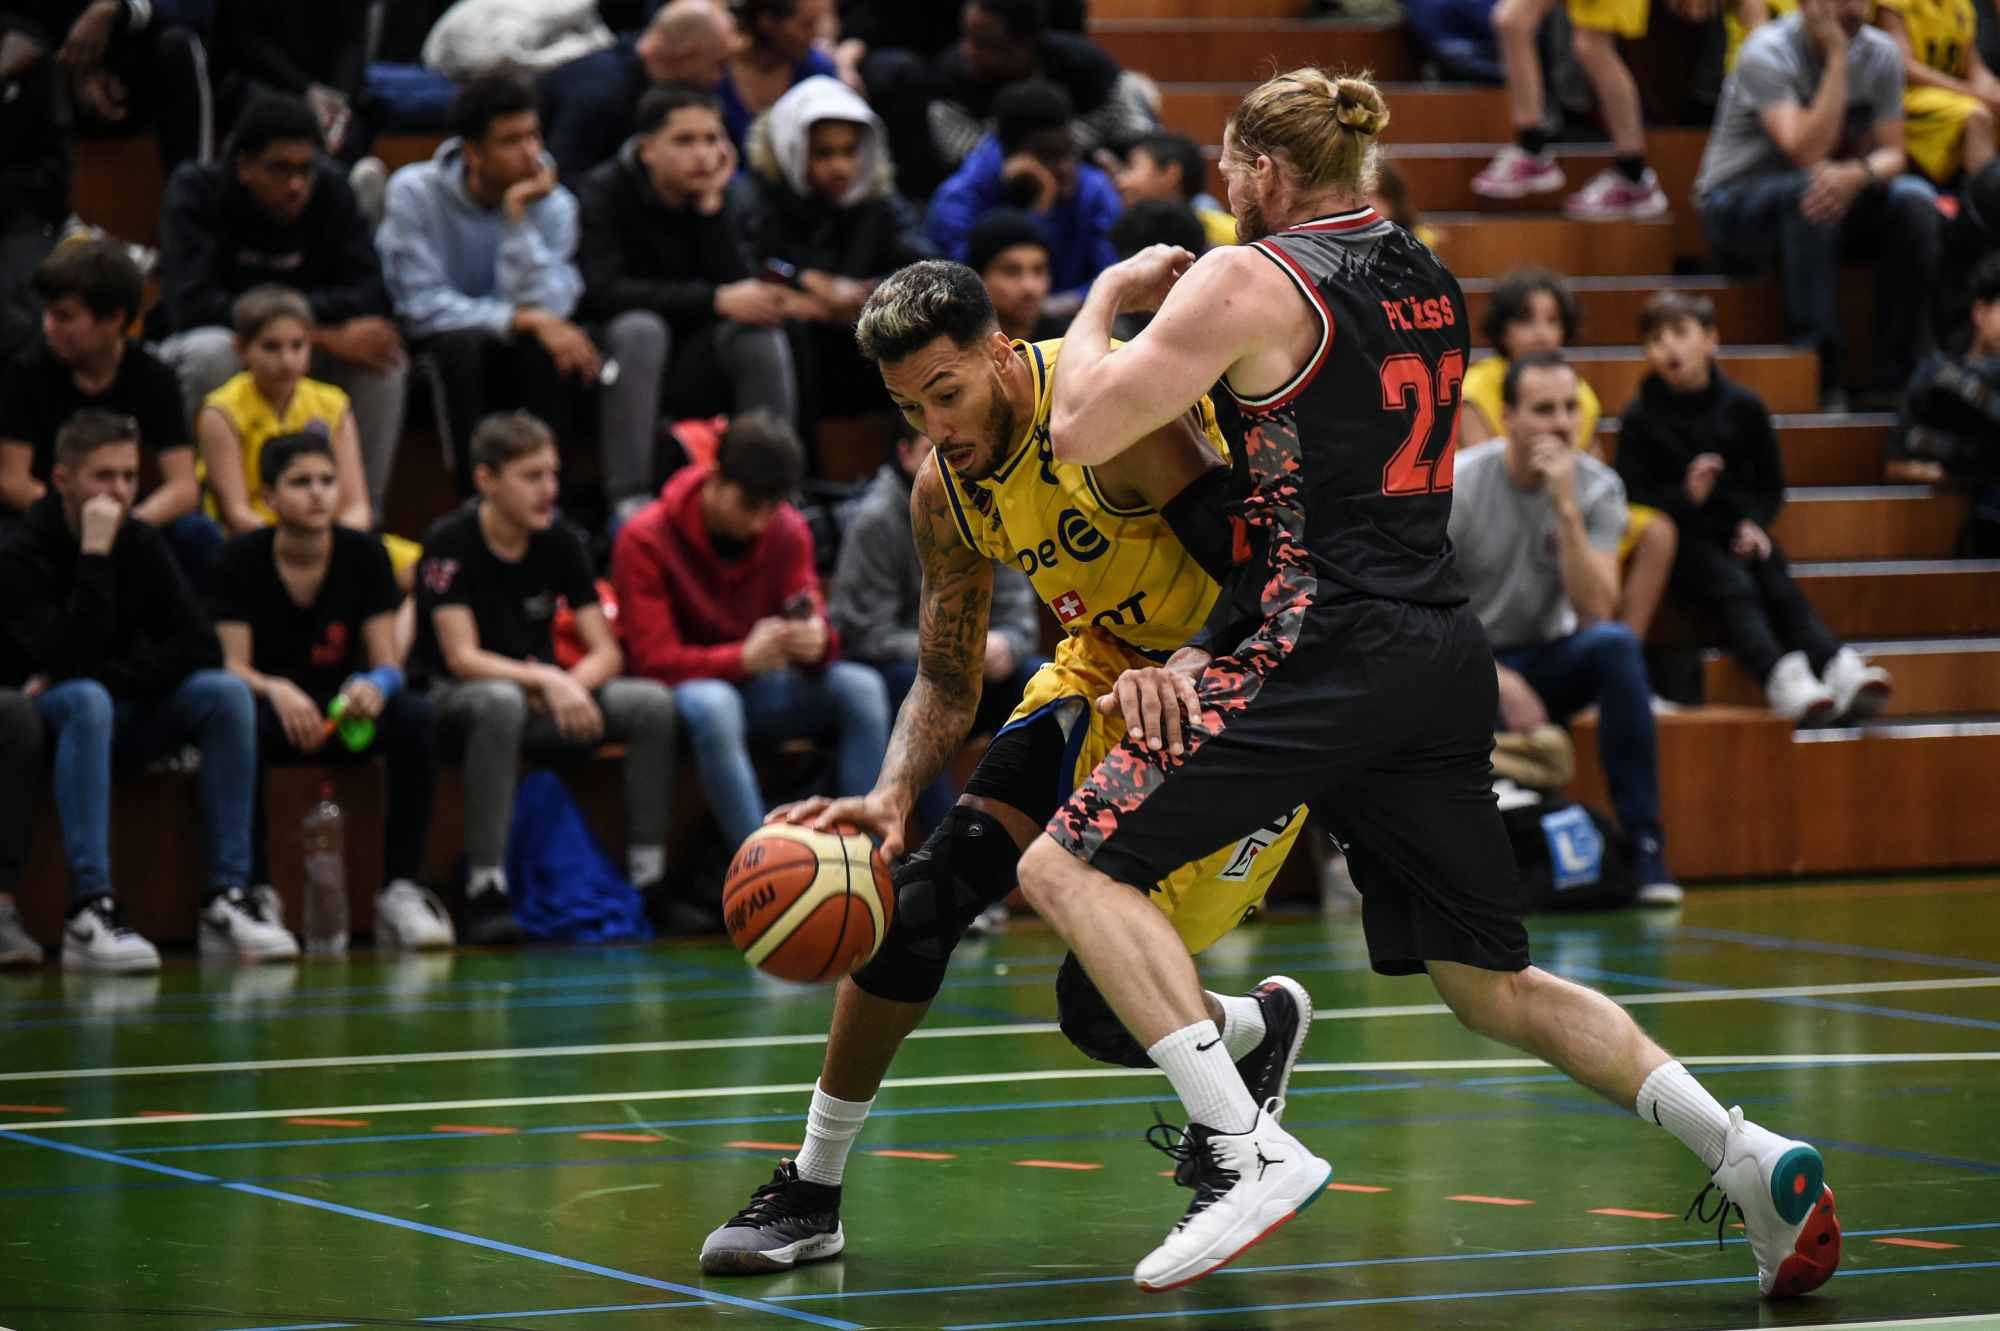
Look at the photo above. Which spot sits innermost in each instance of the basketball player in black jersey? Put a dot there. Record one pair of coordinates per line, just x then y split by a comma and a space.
1341, 667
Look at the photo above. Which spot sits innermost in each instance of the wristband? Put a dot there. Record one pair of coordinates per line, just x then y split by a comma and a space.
387, 679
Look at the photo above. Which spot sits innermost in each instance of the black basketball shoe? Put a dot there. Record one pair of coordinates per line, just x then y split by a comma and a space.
1288, 1015
788, 1220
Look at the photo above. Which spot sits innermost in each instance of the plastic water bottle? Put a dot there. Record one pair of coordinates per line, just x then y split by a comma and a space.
326, 878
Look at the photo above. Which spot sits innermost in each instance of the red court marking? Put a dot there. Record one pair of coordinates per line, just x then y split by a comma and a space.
32, 1109
466, 1127
1056, 1164
767, 1146
1636, 1215
329, 1122
617, 1137
1917, 1243
1353, 1187
916, 1155
1490, 1201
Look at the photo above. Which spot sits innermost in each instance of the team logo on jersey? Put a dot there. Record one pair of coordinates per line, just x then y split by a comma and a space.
1069, 607
438, 573
1259, 841
1083, 541
333, 650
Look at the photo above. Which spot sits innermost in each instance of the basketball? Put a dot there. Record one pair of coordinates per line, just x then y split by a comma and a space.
807, 906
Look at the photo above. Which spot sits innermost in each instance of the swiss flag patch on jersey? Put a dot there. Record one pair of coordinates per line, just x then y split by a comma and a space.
1068, 607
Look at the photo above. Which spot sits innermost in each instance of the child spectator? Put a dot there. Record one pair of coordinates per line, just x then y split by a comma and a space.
272, 396
306, 611
1392, 200
1011, 256
1948, 428
1702, 449
1532, 310
1949, 96
1171, 166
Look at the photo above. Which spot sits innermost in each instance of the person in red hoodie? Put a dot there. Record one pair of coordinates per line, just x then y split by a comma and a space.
718, 599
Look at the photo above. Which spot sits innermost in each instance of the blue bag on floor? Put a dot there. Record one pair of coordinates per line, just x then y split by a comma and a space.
559, 880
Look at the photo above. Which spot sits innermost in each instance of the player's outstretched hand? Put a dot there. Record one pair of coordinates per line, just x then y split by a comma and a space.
1154, 701
873, 814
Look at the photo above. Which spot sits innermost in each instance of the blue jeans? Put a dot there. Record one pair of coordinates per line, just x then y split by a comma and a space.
1604, 665
1754, 219
724, 720
211, 709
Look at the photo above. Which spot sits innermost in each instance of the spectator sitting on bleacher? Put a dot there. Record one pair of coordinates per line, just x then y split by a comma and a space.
1171, 166
1530, 310
317, 53
494, 578
1949, 96
306, 611
1805, 165
588, 104
1535, 523
135, 62
826, 206
878, 588
35, 164
269, 397
1011, 255
666, 264
90, 294
1033, 155
1006, 42
98, 626
272, 209
478, 248
1153, 222
1948, 427
1702, 448
774, 53
718, 597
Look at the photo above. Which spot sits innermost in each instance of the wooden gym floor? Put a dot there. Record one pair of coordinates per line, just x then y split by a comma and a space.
541, 1139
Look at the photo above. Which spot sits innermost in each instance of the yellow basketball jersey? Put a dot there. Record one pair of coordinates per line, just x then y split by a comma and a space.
1941, 31
315, 408
1122, 570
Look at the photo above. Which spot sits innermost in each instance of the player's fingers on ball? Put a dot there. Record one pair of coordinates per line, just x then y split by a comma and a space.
1129, 704
1149, 707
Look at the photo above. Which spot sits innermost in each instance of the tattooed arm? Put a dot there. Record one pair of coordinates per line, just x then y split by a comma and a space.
951, 661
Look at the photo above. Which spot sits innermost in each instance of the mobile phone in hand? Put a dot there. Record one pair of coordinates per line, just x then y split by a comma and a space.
799, 606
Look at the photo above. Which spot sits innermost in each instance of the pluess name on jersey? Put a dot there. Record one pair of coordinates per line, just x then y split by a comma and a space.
1094, 564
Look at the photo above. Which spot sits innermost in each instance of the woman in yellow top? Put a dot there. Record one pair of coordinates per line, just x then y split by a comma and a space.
1532, 309
1950, 98
272, 397
1740, 18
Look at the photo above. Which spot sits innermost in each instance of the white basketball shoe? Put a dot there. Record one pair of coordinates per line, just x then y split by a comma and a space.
1779, 1188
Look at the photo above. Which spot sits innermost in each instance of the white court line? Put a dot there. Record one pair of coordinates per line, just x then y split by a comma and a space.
936, 1033
1967, 1322
967, 1079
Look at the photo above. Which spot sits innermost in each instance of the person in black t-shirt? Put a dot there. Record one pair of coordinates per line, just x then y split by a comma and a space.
90, 293
306, 611
519, 657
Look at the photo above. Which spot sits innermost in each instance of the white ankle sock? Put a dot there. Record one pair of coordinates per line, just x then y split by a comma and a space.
1674, 1100
1205, 1078
480, 880
645, 865
831, 1127
1242, 1023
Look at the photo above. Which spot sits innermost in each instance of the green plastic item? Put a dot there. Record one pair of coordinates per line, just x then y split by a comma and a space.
357, 732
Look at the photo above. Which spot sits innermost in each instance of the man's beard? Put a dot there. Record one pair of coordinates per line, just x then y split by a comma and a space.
999, 434
1251, 224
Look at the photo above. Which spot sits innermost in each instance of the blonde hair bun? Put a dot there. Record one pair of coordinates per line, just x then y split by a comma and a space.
1358, 105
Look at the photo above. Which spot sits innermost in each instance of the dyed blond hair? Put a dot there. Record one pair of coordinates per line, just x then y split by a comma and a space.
1323, 126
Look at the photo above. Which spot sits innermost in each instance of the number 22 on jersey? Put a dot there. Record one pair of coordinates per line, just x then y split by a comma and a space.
1424, 462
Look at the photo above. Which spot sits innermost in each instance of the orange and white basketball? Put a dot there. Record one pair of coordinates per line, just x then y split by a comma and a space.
805, 905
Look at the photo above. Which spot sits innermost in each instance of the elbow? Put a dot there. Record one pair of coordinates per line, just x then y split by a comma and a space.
1068, 441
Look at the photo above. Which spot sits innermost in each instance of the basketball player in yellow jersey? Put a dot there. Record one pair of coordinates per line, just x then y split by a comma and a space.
1125, 556
1950, 98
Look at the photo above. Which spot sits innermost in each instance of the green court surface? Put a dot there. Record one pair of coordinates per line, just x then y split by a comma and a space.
542, 1139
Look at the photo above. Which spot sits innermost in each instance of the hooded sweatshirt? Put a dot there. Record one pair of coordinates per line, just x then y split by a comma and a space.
684, 610
640, 253
453, 263
1663, 431
1078, 227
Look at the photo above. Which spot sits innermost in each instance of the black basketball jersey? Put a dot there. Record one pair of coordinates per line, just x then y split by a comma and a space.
1348, 467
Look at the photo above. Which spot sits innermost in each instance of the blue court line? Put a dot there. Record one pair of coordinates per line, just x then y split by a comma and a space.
456, 1236
1442, 1298
1781, 943
1916, 1157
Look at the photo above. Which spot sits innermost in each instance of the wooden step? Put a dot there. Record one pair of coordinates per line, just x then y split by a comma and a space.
1249, 49
1818, 449
1859, 599
1418, 112
1935, 677
1870, 522
1608, 307
1786, 378
1491, 245
118, 186
1185, 9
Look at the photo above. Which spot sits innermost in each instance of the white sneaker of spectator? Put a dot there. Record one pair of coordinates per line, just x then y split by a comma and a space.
1515, 173
1859, 689
1609, 197
237, 924
408, 917
97, 939
17, 946
1796, 694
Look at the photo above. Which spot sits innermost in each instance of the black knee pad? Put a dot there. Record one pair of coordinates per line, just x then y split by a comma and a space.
966, 866
1090, 1024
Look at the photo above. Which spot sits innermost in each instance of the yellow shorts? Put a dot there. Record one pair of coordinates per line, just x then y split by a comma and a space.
1934, 130
1208, 898
1638, 517
1626, 18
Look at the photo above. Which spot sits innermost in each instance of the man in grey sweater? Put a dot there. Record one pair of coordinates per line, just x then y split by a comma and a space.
878, 586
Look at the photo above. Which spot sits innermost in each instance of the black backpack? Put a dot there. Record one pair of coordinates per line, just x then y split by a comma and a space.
1570, 857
